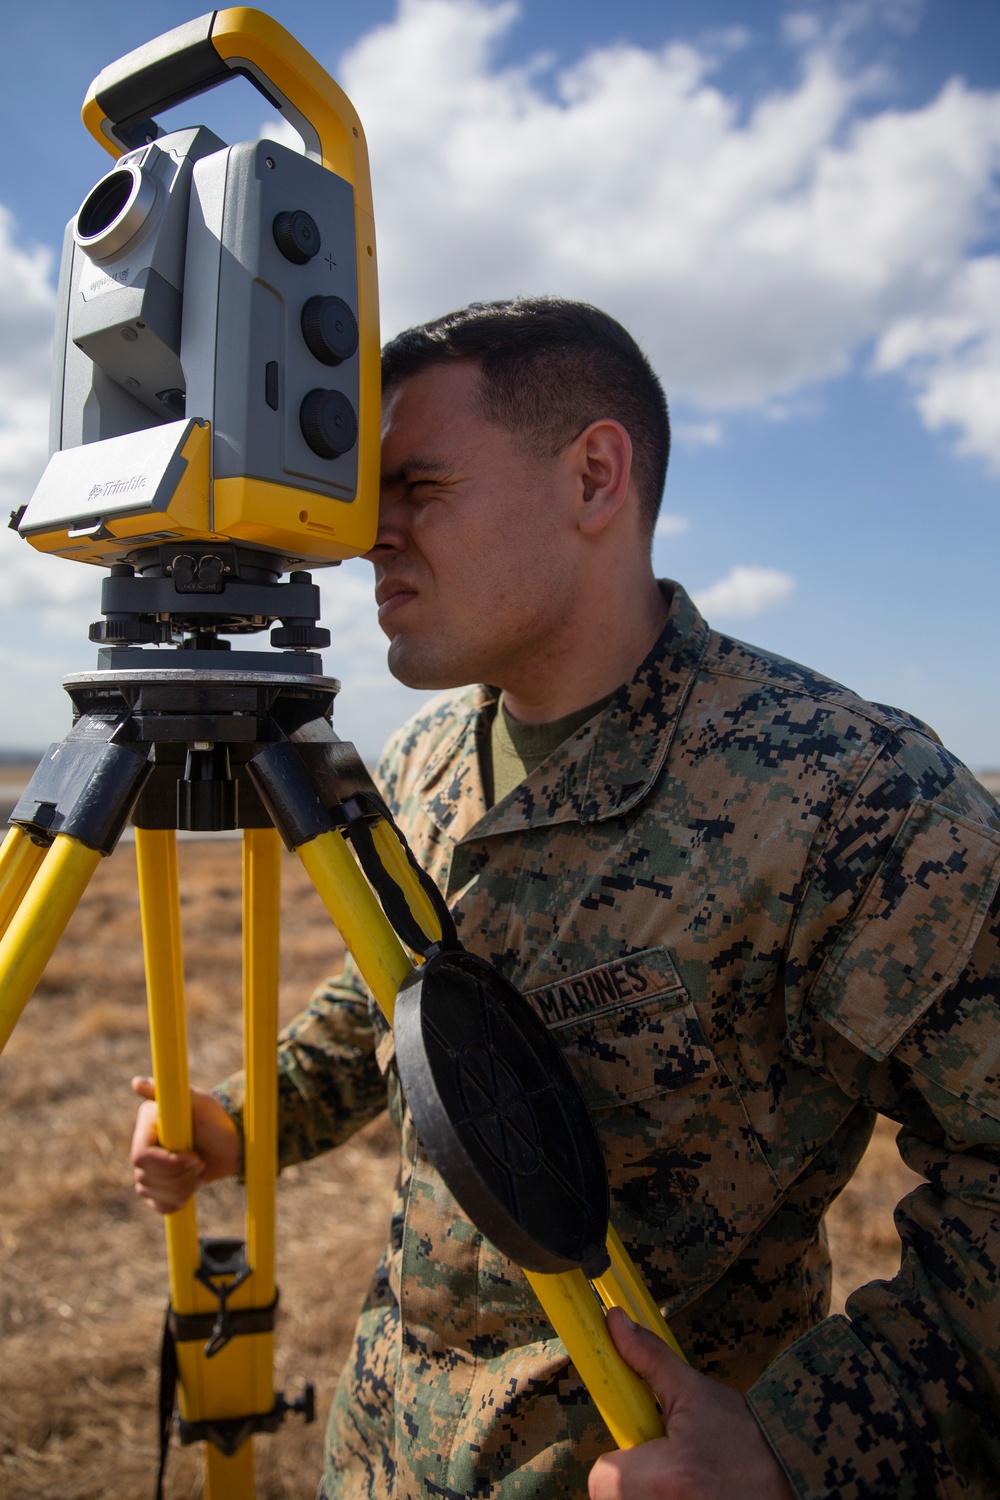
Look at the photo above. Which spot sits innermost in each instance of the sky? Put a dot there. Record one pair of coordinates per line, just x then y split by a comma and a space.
793, 207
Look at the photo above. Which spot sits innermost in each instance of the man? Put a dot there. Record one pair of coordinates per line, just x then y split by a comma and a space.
753, 910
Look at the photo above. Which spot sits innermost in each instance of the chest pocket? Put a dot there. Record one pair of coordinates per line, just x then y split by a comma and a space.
689, 1182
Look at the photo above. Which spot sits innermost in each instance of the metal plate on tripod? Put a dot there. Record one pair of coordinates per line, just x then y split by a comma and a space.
501, 1115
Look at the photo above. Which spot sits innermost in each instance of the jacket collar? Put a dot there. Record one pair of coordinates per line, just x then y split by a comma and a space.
604, 770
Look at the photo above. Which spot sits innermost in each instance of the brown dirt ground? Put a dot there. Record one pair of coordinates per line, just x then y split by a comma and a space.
84, 1268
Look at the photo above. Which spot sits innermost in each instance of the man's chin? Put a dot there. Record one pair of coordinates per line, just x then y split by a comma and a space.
417, 669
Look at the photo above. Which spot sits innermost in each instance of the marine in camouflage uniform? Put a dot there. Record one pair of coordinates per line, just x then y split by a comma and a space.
754, 910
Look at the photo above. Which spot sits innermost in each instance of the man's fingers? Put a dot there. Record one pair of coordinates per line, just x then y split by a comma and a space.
713, 1448
641, 1473
161, 1165
146, 1148
168, 1178
648, 1355
144, 1134
165, 1179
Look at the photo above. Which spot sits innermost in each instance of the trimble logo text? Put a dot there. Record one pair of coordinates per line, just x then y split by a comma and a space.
112, 488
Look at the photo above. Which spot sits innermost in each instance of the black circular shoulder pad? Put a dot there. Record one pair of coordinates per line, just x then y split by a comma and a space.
501, 1115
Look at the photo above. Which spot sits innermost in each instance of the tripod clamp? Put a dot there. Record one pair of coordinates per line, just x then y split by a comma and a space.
226, 1258
223, 1267
228, 1434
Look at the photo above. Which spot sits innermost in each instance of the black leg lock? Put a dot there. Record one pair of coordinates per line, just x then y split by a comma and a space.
230, 1433
223, 1267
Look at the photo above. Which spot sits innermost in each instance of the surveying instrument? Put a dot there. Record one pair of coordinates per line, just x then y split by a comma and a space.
215, 427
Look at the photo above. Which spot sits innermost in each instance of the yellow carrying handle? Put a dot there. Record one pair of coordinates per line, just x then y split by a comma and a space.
199, 55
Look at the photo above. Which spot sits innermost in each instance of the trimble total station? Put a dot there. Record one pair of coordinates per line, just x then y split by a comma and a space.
215, 427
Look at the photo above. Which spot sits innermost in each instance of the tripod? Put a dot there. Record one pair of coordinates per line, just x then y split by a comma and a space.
211, 746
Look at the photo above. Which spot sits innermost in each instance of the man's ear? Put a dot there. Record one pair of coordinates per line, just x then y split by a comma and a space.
602, 459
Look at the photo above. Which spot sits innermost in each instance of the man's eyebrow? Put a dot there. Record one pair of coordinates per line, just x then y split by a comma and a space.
415, 468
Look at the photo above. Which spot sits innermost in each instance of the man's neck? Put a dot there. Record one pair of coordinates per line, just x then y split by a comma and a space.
601, 650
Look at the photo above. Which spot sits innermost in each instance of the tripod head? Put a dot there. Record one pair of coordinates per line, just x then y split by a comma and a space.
215, 403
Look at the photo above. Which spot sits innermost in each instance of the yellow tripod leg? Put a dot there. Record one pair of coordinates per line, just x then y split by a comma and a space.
38, 924
159, 905
357, 916
261, 916
13, 840
214, 1392
624, 1401
229, 1478
20, 858
622, 1286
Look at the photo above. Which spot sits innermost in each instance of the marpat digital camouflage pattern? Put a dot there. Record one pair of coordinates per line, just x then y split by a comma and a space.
754, 910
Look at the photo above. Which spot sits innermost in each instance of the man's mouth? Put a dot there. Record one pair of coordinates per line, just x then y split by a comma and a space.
391, 596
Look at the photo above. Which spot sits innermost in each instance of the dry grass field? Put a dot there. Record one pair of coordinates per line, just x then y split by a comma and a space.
83, 1282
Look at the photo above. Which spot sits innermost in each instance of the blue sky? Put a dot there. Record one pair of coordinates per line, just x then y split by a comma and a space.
794, 208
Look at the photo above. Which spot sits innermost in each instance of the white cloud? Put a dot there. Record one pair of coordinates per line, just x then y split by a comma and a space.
27, 303
754, 252
839, 24
952, 358
668, 524
44, 591
697, 434
282, 133
745, 591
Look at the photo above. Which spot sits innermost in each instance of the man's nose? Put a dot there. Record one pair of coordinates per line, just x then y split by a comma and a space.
390, 536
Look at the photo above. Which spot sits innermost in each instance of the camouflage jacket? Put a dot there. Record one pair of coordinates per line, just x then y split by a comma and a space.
754, 910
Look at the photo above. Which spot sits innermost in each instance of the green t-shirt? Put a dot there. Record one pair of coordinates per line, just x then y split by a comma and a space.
515, 749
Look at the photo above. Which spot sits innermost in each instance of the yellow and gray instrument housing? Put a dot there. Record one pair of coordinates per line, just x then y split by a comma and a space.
229, 286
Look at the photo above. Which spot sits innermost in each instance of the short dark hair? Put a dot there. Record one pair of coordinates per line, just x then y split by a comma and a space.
549, 368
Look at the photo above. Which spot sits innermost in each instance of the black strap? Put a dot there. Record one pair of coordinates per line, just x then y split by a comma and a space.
449, 933
393, 898
192, 1327
168, 1397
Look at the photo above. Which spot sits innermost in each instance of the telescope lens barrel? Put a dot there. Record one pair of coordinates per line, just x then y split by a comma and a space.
113, 212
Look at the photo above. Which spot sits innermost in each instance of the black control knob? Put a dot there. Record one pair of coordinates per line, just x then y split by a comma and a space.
299, 634
330, 329
296, 235
329, 423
